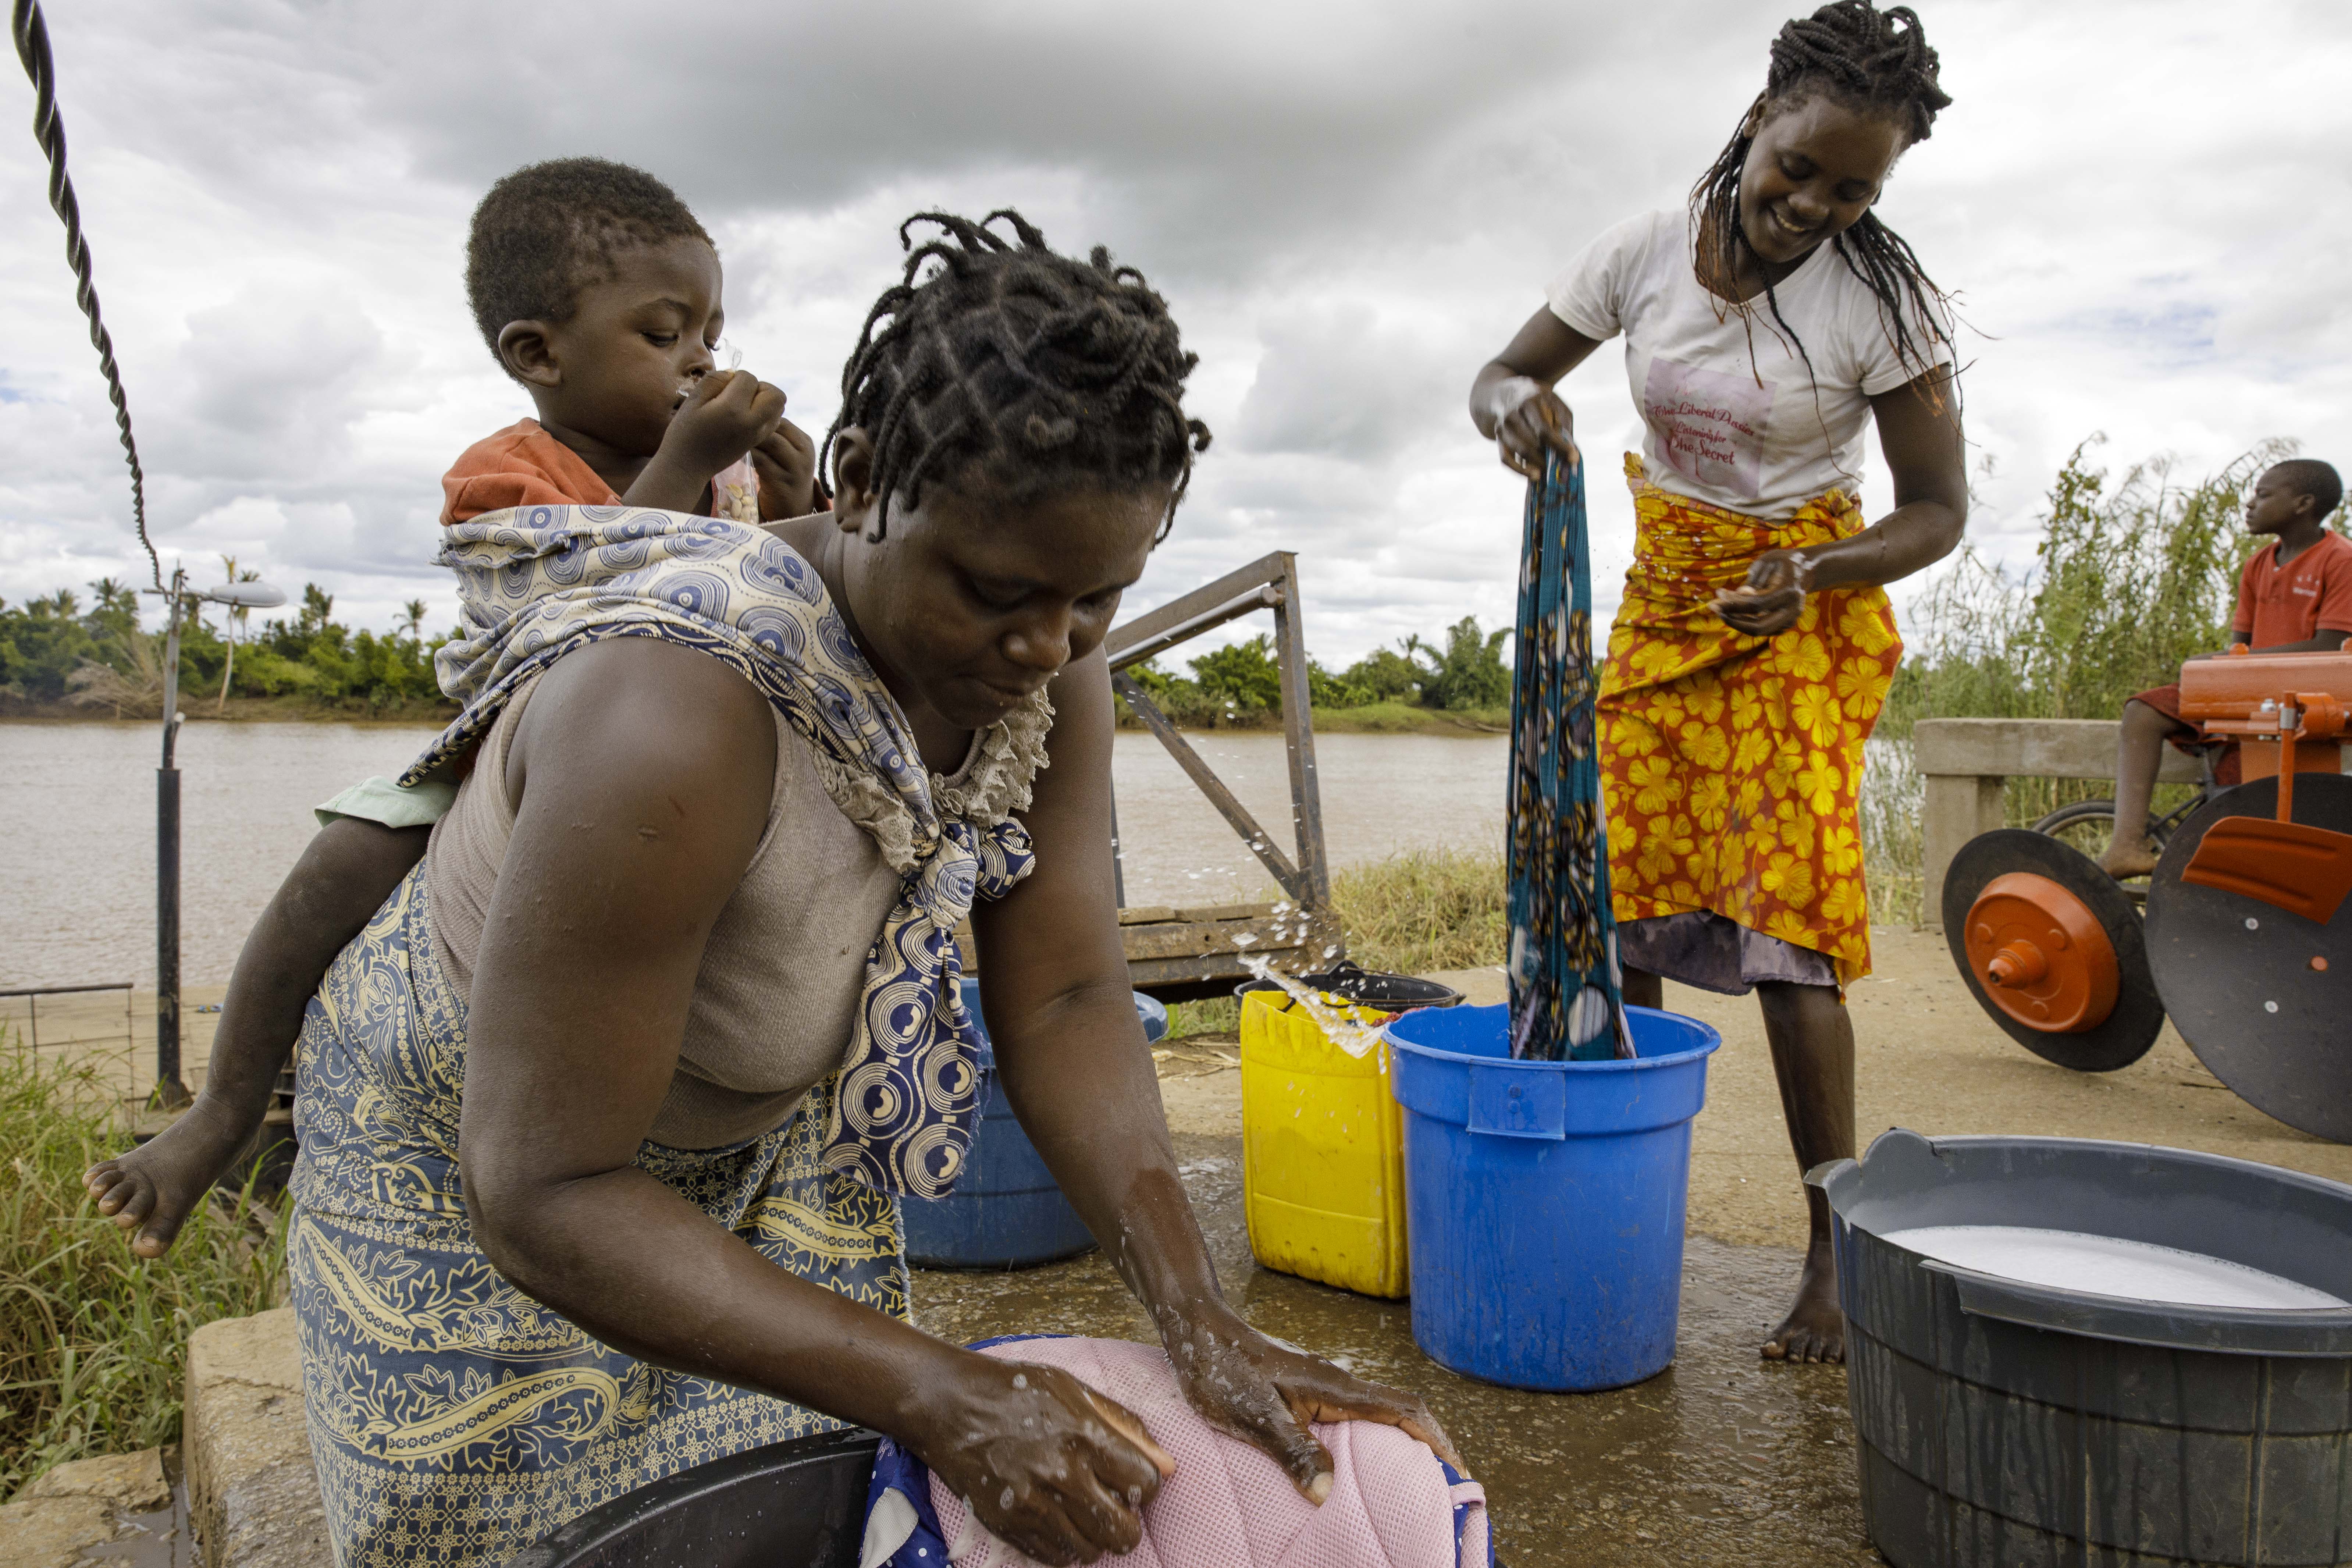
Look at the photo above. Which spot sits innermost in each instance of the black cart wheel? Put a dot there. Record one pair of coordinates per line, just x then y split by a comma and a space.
2130, 1023
2261, 995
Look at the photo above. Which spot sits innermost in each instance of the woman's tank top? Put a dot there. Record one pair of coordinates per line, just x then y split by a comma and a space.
776, 997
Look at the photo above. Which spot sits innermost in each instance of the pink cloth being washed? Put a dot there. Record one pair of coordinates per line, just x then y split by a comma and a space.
1231, 1506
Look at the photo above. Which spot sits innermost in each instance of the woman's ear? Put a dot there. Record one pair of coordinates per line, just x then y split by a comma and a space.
854, 500
1755, 121
527, 352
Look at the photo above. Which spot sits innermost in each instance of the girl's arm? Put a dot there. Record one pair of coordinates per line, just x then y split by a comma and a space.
1919, 431
346, 872
1055, 990
644, 774
1512, 402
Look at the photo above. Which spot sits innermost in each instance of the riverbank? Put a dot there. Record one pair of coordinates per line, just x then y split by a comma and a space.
1374, 719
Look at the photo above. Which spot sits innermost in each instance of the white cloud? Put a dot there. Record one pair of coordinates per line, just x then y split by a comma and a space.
1350, 208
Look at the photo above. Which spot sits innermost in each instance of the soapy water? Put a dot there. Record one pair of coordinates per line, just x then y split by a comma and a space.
1338, 1022
2109, 1265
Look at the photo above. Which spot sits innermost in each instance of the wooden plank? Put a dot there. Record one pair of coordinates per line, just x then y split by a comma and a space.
1145, 915
1205, 779
1225, 912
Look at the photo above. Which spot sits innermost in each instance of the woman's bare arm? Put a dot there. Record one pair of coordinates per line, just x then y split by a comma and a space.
644, 774
1054, 988
1512, 402
1919, 431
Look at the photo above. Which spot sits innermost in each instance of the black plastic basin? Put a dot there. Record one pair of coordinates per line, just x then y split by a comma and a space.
1368, 988
791, 1505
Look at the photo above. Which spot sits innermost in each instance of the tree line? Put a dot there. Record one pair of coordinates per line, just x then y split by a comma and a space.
56, 654
1240, 684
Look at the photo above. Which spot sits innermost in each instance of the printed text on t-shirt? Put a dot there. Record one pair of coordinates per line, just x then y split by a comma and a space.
1708, 425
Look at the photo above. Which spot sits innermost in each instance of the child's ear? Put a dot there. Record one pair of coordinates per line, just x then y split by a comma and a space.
527, 352
852, 480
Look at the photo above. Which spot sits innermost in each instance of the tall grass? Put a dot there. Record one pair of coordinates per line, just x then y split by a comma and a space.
93, 1344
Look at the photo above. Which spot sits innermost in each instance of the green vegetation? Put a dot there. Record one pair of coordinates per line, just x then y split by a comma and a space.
55, 656
1415, 686
2133, 574
93, 1344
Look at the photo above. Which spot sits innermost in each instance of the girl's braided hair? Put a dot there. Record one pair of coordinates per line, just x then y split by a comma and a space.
1039, 366
1873, 61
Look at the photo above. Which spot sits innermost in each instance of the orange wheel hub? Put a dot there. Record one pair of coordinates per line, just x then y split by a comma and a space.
2040, 954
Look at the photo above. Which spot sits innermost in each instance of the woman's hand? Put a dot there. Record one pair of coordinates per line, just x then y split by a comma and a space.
1265, 1394
1053, 1469
1773, 597
1525, 416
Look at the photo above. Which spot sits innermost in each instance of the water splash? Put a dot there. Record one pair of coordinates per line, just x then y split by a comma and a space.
1338, 1022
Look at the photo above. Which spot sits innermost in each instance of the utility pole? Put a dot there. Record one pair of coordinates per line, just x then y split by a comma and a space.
171, 1091
169, 1088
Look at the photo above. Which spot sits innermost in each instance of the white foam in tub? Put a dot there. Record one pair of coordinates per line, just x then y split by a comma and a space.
2108, 1266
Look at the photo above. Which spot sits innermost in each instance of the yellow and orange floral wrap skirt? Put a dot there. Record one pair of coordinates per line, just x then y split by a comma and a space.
1732, 765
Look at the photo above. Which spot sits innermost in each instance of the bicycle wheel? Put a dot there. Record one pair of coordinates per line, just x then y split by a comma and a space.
2088, 827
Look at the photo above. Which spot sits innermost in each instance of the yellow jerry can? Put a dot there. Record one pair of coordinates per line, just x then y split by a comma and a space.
1322, 1149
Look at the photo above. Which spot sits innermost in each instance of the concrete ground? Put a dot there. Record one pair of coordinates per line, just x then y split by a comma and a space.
1722, 1459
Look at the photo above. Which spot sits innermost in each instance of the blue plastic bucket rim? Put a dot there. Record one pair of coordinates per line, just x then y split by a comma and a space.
1710, 1042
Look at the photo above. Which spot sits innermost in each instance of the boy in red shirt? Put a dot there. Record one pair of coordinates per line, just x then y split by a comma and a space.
2294, 596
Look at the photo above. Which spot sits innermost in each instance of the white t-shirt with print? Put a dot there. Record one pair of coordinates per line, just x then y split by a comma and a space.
1735, 417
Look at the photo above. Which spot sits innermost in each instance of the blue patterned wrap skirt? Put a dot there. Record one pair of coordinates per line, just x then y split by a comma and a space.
454, 1419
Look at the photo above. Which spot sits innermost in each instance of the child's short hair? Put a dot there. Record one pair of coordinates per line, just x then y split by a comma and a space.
548, 229
2312, 477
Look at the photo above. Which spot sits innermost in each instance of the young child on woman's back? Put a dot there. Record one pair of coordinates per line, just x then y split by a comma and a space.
2293, 596
600, 293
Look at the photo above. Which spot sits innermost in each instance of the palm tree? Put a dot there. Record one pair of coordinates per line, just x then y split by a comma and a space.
412, 618
236, 619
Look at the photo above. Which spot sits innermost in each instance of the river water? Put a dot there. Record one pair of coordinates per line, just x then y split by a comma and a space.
77, 801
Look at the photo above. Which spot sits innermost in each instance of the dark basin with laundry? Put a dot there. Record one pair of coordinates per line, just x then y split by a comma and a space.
791, 1505
2066, 1351
1368, 988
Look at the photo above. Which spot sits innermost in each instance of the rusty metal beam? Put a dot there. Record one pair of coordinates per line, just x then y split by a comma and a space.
1259, 841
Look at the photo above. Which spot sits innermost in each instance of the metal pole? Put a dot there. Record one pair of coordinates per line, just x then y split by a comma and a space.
1118, 856
169, 1089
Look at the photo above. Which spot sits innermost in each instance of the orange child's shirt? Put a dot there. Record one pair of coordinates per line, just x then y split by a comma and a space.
2294, 603
522, 464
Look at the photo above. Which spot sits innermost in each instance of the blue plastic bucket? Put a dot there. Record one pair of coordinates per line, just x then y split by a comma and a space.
1007, 1211
1544, 1200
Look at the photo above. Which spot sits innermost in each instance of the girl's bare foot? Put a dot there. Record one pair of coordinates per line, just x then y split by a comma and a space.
154, 1187
2129, 857
1814, 1329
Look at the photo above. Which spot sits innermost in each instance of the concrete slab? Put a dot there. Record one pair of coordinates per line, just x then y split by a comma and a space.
253, 1496
90, 1511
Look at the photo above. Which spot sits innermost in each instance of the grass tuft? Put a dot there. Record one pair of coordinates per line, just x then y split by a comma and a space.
93, 1342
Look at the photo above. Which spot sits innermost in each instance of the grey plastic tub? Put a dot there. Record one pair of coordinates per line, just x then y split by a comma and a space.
2018, 1425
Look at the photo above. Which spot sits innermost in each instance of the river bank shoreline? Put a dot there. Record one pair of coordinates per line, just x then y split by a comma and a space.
1376, 719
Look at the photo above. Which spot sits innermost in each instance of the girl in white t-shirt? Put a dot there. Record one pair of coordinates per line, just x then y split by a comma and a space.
1755, 645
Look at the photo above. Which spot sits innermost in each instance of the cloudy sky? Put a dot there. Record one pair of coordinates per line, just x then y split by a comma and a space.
2141, 206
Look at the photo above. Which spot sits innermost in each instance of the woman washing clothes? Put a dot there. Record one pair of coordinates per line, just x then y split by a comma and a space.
604, 1114
1755, 644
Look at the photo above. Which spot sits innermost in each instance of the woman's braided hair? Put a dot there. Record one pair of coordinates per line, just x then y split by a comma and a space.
1870, 60
1039, 366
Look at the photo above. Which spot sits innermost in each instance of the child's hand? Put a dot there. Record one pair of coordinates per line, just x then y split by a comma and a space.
724, 416
785, 460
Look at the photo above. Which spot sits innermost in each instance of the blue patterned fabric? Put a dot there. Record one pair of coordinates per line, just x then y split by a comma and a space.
453, 1419
1566, 998
537, 583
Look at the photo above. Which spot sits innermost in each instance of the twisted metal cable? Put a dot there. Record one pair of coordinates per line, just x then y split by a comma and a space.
32, 35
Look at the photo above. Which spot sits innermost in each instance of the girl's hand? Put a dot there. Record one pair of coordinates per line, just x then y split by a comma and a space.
1526, 417
1773, 597
1053, 1469
1248, 1386
723, 416
785, 460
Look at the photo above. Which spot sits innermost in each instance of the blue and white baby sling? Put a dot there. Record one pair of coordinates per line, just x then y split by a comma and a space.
1566, 1001
538, 582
